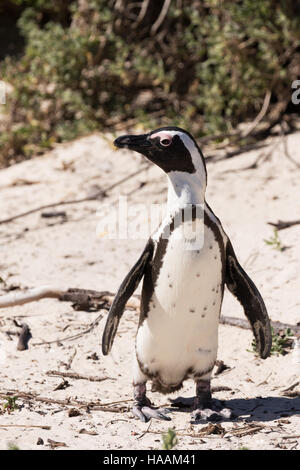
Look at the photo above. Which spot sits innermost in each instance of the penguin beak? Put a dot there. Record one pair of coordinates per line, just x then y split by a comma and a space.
139, 143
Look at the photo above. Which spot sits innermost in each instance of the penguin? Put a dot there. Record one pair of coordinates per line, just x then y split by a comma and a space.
185, 265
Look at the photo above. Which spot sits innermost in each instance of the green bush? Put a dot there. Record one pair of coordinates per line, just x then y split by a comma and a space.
88, 65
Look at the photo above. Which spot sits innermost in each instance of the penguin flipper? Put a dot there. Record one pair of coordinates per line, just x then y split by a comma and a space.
125, 291
244, 289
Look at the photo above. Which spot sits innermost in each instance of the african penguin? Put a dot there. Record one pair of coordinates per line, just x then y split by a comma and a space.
184, 275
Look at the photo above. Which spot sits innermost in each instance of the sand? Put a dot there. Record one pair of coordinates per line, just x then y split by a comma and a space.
38, 251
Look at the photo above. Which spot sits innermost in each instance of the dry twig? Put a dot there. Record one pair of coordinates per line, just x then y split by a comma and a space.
93, 406
260, 115
74, 375
78, 335
27, 426
99, 194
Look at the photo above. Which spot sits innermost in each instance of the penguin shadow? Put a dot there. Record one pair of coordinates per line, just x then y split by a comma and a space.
250, 409
263, 409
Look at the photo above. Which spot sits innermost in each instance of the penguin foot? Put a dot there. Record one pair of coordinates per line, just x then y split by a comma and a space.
212, 411
146, 412
142, 406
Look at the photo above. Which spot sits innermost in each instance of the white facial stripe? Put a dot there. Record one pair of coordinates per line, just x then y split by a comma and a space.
162, 135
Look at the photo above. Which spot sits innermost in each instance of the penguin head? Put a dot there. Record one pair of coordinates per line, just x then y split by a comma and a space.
171, 148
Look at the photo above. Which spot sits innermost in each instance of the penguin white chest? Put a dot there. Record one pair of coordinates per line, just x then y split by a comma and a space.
181, 328
189, 280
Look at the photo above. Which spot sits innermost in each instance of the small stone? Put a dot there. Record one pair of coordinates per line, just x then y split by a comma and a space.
73, 412
39, 442
94, 357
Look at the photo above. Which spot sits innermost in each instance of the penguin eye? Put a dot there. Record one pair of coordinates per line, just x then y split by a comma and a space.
165, 142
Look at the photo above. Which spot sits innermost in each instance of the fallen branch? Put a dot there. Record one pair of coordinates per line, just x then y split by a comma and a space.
245, 431
241, 323
99, 194
20, 298
27, 426
291, 387
211, 430
96, 406
85, 299
74, 375
290, 392
54, 444
221, 388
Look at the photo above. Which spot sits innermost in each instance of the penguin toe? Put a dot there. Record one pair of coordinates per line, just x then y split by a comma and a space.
211, 414
137, 412
145, 413
205, 414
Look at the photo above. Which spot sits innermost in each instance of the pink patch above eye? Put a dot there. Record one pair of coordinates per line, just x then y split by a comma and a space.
162, 136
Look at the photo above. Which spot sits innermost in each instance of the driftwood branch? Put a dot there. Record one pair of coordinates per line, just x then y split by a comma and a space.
84, 299
20, 298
